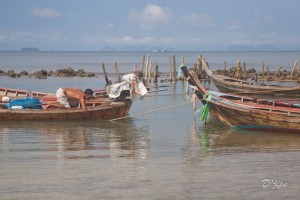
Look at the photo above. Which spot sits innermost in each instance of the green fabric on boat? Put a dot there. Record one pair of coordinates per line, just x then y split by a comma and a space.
205, 112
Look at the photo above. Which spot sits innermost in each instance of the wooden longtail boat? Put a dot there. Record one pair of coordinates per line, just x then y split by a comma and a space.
98, 108
246, 112
232, 85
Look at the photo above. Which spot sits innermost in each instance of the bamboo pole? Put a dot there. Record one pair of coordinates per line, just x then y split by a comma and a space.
105, 74
117, 72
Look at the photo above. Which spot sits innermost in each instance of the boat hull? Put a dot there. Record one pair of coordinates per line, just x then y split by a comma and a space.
258, 119
106, 112
243, 111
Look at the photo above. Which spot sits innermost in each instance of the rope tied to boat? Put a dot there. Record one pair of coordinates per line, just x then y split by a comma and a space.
155, 110
207, 97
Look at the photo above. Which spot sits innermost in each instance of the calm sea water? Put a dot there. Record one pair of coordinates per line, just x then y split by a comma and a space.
165, 154
92, 61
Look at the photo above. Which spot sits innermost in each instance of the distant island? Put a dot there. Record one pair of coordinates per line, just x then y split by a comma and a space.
30, 49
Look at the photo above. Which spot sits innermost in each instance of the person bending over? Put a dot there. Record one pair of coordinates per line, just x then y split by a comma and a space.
65, 95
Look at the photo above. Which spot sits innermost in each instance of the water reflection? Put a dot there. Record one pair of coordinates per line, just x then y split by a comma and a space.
216, 139
210, 149
80, 140
257, 140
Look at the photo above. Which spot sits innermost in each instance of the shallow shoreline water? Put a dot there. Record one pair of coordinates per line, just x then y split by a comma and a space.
165, 154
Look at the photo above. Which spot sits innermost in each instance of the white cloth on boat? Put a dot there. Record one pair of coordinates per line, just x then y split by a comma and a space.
62, 99
130, 82
5, 99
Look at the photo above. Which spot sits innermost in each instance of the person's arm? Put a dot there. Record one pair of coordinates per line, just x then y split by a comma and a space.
82, 102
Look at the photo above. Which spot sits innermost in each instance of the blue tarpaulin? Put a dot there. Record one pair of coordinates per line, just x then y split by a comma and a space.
27, 103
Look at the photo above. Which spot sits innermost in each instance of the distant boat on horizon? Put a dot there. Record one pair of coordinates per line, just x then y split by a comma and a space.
162, 50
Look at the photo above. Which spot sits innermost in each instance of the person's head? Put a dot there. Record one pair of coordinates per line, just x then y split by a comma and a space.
88, 93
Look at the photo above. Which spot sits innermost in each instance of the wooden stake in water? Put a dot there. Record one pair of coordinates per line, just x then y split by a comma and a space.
245, 71
293, 70
143, 64
117, 72
174, 67
170, 67
199, 66
150, 70
105, 74
263, 70
147, 65
225, 66
155, 73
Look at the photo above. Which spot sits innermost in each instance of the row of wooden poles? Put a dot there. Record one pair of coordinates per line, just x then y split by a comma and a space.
151, 69
241, 73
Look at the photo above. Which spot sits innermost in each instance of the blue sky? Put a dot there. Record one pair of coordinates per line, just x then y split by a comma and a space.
204, 25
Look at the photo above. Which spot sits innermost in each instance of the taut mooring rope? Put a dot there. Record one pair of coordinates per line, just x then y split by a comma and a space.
177, 105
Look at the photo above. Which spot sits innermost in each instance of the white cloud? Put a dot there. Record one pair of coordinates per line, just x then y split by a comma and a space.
44, 13
154, 14
150, 17
197, 20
